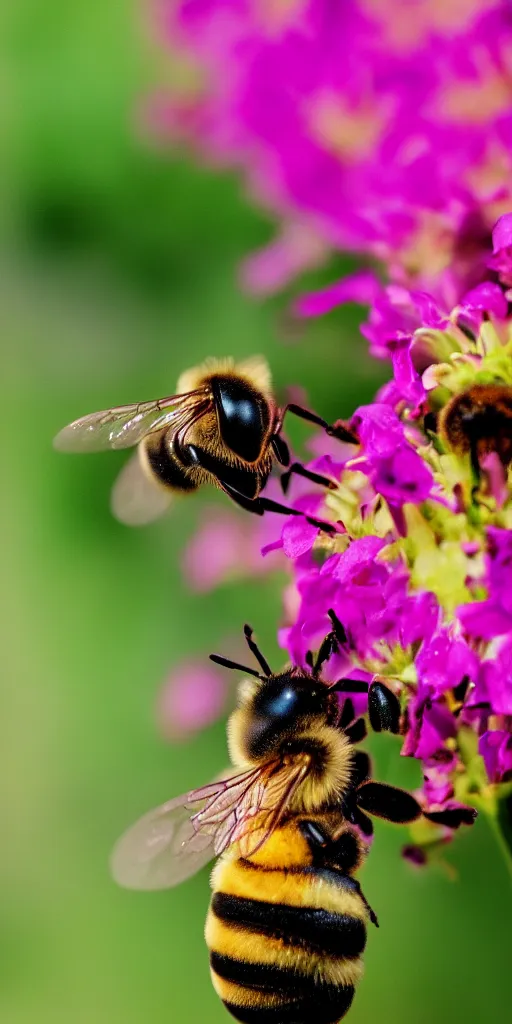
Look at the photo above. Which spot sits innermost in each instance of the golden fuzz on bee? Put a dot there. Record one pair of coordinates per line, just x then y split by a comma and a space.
479, 418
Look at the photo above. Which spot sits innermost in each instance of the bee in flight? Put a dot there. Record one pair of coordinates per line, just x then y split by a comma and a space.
222, 427
479, 421
286, 927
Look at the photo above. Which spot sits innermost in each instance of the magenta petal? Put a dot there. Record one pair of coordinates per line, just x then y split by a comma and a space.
502, 233
298, 536
378, 428
444, 661
486, 297
270, 269
438, 725
362, 287
484, 619
361, 553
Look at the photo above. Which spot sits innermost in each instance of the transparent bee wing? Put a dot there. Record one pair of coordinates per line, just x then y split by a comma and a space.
126, 425
162, 849
136, 499
174, 841
169, 844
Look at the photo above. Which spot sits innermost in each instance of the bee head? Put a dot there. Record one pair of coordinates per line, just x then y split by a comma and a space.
272, 713
276, 711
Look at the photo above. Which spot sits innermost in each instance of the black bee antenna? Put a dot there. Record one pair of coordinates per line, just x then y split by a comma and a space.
219, 660
308, 658
253, 647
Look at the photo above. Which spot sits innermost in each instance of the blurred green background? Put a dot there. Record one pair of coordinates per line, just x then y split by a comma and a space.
118, 270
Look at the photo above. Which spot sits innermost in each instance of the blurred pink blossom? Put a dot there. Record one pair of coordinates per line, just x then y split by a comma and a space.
192, 697
383, 127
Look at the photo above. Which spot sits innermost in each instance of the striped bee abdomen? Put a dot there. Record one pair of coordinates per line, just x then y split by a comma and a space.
285, 944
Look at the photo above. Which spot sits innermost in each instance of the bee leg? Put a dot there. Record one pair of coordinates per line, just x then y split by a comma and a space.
304, 414
281, 450
351, 686
249, 504
371, 913
356, 732
337, 430
361, 768
300, 470
342, 852
383, 705
267, 505
401, 807
388, 802
383, 708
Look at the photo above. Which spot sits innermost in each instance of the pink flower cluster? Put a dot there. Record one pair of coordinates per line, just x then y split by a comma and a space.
384, 128
380, 127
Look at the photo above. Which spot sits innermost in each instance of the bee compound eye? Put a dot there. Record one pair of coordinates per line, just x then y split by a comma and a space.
243, 416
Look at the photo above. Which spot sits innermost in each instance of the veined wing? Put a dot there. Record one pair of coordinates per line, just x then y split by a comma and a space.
172, 842
126, 425
270, 797
167, 845
250, 809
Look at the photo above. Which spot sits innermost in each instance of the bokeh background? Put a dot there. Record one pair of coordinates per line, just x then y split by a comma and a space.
118, 269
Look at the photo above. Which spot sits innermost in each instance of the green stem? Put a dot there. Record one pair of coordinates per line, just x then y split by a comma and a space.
496, 804
503, 828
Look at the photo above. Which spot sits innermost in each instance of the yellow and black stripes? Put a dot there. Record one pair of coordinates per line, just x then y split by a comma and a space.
313, 930
261, 994
285, 944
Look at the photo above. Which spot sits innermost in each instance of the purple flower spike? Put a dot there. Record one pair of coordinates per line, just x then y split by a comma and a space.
363, 288
365, 131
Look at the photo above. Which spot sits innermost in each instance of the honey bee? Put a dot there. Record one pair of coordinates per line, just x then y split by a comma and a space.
222, 427
479, 421
286, 927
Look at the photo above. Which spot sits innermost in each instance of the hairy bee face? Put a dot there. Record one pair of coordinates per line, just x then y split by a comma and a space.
277, 710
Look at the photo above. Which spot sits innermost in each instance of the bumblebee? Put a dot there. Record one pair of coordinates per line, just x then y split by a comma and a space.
479, 421
286, 927
222, 427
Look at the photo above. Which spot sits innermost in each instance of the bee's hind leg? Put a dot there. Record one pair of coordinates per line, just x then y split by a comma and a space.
341, 852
